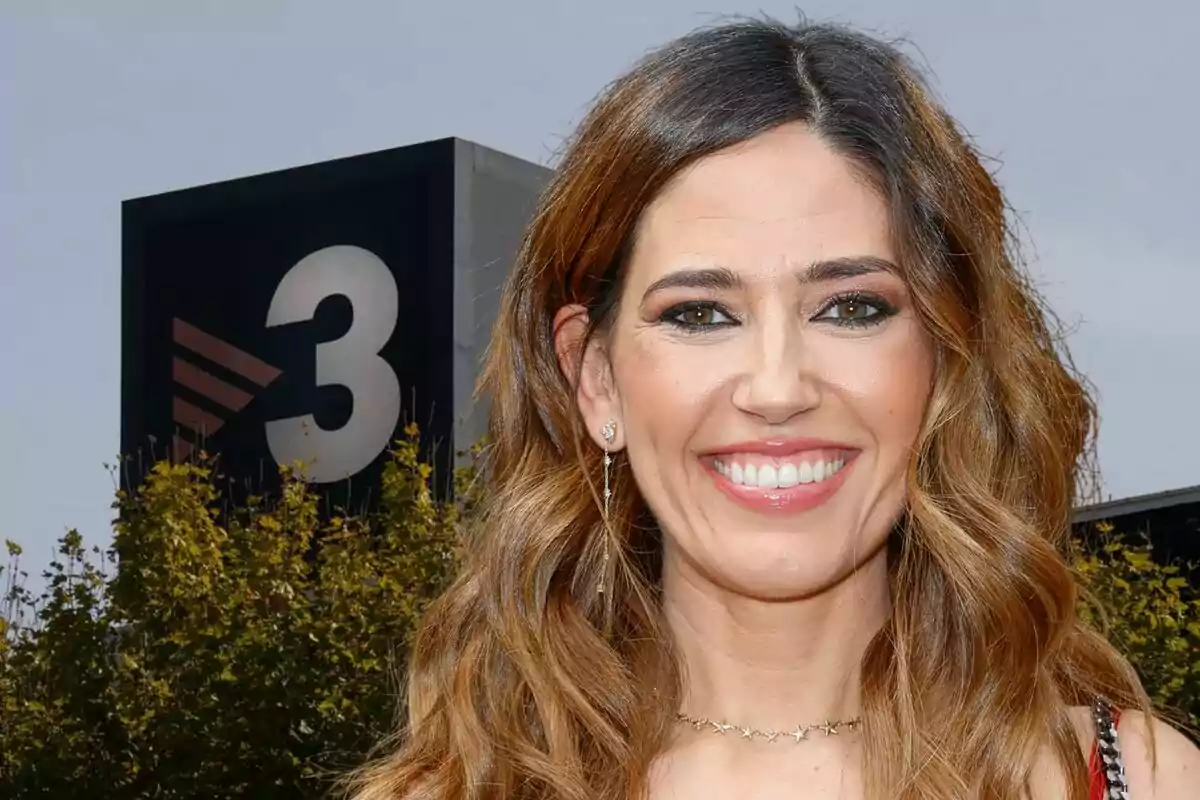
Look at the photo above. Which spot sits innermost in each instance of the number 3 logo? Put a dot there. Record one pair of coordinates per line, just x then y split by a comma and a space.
353, 361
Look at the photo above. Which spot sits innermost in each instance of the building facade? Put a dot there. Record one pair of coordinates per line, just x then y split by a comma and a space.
1170, 519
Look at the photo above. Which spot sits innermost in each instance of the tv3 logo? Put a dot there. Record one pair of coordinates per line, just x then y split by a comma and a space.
352, 362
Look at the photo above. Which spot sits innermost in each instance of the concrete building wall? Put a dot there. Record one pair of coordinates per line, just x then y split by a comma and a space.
495, 197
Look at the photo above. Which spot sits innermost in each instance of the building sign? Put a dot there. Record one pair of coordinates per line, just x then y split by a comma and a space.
306, 315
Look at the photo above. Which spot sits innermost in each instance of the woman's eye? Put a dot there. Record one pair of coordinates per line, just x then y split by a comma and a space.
856, 311
696, 315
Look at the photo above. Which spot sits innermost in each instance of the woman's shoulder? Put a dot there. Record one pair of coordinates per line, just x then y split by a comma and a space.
1173, 775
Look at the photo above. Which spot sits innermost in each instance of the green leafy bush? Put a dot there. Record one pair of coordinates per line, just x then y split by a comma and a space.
255, 651
1150, 613
250, 653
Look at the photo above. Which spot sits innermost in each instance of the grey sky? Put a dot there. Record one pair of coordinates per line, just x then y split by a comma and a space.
1084, 103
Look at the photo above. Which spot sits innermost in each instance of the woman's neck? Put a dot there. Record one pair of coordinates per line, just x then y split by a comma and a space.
773, 665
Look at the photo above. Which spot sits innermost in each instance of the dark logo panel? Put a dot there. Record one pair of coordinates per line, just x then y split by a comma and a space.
295, 316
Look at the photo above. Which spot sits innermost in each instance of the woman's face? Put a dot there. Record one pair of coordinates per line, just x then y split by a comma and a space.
765, 369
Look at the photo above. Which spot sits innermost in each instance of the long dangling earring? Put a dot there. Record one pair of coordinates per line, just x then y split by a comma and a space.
609, 434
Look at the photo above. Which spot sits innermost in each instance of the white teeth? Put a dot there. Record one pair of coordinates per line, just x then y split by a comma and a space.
786, 475
768, 478
789, 475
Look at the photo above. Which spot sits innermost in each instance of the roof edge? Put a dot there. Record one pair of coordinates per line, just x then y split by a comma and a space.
1137, 504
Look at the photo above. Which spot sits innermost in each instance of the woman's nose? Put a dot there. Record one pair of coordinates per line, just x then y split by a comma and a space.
778, 381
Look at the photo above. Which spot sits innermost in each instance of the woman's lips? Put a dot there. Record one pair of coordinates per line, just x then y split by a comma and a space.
793, 483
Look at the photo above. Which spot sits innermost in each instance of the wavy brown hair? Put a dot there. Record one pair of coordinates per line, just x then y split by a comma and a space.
525, 683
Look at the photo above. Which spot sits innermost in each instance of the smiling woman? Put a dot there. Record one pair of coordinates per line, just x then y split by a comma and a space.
782, 462
786, 347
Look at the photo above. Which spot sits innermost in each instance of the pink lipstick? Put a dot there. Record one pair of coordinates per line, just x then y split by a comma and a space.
786, 476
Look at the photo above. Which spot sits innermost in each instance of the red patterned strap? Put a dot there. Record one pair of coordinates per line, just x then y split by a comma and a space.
1105, 766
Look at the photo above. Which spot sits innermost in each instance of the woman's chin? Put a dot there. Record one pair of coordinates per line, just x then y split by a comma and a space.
791, 573
775, 585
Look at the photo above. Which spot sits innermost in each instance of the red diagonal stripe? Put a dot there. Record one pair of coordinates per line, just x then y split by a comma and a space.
210, 386
223, 353
181, 449
197, 419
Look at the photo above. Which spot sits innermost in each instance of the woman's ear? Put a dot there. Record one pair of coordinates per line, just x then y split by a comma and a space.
586, 365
